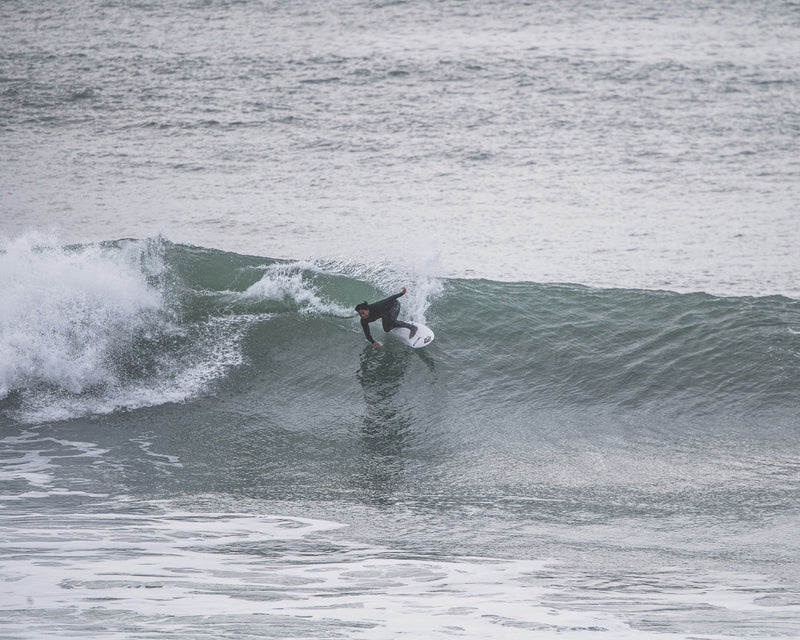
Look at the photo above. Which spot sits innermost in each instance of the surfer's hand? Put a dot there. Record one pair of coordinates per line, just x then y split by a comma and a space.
403, 291
376, 344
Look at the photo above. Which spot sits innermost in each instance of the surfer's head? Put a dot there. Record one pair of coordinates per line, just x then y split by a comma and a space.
363, 310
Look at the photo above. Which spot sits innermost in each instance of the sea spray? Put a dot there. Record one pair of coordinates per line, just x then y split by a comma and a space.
67, 314
292, 284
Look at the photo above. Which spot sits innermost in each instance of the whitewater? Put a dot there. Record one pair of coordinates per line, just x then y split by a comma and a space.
593, 205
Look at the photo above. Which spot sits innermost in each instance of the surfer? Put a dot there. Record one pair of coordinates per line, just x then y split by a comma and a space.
387, 310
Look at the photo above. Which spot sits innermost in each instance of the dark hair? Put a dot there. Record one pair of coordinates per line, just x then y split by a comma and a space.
361, 306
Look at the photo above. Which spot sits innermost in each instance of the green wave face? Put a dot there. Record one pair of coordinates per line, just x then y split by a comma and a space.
122, 325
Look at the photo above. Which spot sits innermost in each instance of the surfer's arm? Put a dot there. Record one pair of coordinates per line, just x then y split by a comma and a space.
367, 334
384, 304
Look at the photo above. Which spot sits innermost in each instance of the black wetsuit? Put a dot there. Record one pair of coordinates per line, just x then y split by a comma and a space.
387, 310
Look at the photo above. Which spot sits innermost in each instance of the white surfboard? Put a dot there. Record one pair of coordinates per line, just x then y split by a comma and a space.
422, 338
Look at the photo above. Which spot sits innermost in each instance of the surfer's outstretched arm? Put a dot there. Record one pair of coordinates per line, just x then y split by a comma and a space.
384, 304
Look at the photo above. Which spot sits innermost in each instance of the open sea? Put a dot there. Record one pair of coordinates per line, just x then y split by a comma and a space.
595, 205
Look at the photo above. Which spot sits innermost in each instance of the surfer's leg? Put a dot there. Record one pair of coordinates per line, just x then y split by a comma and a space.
390, 320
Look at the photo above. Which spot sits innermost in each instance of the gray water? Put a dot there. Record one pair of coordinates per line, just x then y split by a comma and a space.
197, 442
631, 144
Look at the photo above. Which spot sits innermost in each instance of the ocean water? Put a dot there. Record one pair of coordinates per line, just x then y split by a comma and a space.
594, 206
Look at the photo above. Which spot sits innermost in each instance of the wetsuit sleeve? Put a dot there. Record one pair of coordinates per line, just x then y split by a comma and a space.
365, 327
384, 304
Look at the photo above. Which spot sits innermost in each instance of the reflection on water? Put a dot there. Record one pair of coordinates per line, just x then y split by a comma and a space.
387, 419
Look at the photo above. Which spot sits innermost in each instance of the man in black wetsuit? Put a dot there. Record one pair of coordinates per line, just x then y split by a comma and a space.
387, 310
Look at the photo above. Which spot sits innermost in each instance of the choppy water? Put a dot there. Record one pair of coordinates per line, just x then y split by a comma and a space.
197, 441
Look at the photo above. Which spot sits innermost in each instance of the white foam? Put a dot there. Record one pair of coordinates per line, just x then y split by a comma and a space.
286, 281
71, 319
165, 571
32, 463
282, 281
182, 376
64, 312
